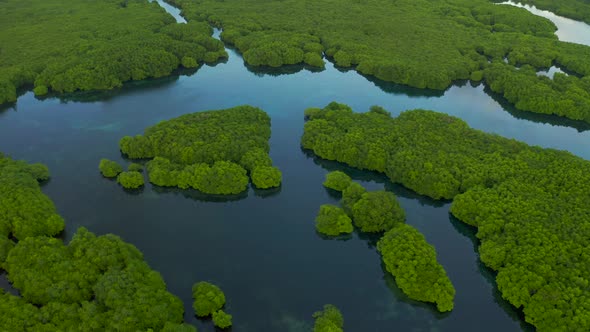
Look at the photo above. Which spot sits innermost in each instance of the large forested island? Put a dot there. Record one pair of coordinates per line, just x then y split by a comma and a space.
530, 205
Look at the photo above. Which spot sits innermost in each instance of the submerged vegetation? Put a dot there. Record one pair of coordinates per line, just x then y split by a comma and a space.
94, 283
420, 43
210, 151
529, 204
94, 45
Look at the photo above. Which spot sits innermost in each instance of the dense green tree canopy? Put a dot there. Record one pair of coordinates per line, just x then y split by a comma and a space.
351, 195
575, 9
377, 211
337, 180
135, 167
332, 221
210, 151
221, 319
208, 299
130, 179
530, 204
89, 45
328, 320
412, 261
109, 168
264, 177
24, 210
92, 284
421, 43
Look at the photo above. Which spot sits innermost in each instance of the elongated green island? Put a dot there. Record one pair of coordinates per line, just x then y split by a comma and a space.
421, 43
94, 45
530, 205
212, 151
94, 283
405, 252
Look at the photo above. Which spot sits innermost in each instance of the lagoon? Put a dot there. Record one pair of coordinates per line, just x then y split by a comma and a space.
261, 248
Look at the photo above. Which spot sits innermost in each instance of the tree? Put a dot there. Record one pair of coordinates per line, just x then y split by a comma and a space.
109, 168
337, 180
377, 212
333, 221
328, 320
265, 177
208, 298
130, 179
221, 319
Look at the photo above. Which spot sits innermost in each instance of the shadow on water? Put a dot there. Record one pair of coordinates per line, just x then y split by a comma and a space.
404, 90
489, 275
151, 84
262, 71
550, 119
389, 280
200, 196
371, 176
267, 193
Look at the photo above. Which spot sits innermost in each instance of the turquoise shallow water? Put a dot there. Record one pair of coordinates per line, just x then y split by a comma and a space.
261, 247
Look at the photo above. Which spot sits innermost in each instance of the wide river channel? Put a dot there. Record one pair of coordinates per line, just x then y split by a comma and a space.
261, 248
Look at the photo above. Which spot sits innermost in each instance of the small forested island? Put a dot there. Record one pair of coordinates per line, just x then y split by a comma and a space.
209, 299
412, 261
212, 151
328, 320
64, 46
405, 252
529, 204
420, 43
93, 283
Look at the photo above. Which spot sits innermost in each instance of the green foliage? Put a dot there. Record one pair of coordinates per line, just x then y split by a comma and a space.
135, 167
435, 42
130, 180
412, 261
221, 319
254, 158
377, 211
337, 180
351, 195
92, 284
575, 9
171, 327
265, 177
530, 205
109, 168
328, 320
96, 45
333, 221
208, 298
24, 210
209, 151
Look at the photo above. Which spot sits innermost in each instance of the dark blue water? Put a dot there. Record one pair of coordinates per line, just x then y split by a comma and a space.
261, 248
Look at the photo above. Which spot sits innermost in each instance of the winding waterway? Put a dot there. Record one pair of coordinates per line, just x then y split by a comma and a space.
261, 248
567, 29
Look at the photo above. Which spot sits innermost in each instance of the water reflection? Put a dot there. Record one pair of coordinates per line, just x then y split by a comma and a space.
199, 196
567, 29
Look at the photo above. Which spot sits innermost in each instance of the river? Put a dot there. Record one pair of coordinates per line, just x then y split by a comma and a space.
261, 248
